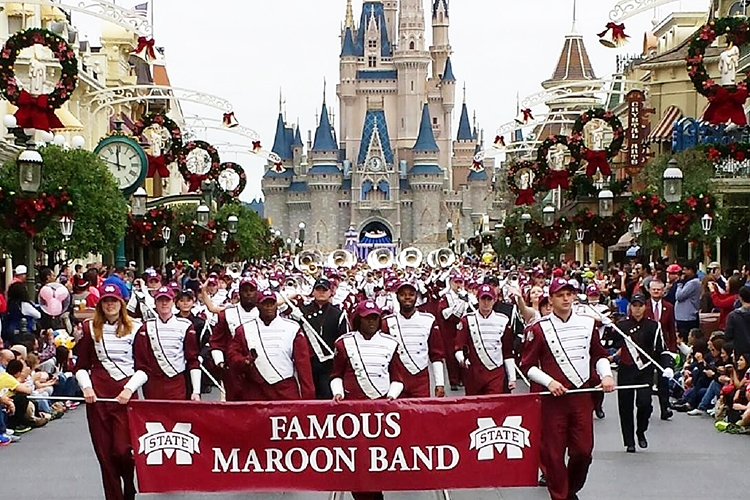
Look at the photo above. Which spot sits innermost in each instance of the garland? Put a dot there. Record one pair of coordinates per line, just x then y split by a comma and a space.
548, 237
555, 178
672, 222
38, 112
159, 163
605, 231
206, 236
194, 180
524, 196
738, 151
31, 214
148, 229
597, 160
582, 186
736, 30
229, 166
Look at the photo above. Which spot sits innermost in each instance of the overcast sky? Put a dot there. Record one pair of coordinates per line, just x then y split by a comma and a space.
245, 50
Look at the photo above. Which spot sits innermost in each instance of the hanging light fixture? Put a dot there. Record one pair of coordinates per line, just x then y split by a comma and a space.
548, 215
182, 238
166, 233
507, 241
706, 223
606, 205
224, 237
233, 221
30, 169
139, 202
672, 182
203, 213
580, 233
566, 235
66, 226
528, 239
637, 226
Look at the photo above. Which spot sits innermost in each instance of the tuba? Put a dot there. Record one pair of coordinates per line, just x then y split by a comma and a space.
380, 258
409, 257
310, 262
341, 258
441, 258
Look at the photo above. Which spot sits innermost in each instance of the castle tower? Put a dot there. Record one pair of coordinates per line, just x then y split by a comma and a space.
426, 180
463, 149
441, 46
412, 61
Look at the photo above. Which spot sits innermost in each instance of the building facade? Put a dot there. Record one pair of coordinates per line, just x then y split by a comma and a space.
394, 166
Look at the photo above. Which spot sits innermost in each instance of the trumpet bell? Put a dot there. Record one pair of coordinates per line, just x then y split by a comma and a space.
410, 257
381, 258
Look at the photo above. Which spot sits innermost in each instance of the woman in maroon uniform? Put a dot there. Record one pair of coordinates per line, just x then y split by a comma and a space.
105, 369
378, 373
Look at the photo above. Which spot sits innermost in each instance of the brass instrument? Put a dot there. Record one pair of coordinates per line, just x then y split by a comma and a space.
341, 258
409, 257
310, 262
380, 258
441, 258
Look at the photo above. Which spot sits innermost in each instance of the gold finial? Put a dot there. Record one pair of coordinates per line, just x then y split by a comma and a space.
464, 92
349, 21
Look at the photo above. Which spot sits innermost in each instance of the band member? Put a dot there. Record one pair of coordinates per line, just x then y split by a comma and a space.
662, 312
165, 348
597, 311
105, 369
453, 307
635, 369
141, 303
560, 353
484, 348
420, 343
267, 351
185, 309
229, 320
330, 322
366, 366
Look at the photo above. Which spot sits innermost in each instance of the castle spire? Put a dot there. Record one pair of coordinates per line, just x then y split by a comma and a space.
349, 20
573, 28
464, 127
426, 138
324, 133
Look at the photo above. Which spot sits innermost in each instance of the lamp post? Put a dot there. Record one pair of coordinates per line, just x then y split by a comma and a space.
637, 226
66, 226
706, 223
138, 208
30, 164
566, 235
462, 246
606, 205
224, 237
232, 223
580, 234
203, 213
449, 233
289, 245
672, 182
182, 238
528, 239
166, 233
508, 241
548, 216
301, 236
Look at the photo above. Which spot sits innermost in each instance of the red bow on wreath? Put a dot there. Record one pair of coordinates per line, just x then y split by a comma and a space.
148, 44
725, 106
525, 197
157, 164
597, 160
558, 178
34, 112
194, 182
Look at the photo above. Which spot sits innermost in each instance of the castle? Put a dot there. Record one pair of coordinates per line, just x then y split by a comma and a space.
395, 173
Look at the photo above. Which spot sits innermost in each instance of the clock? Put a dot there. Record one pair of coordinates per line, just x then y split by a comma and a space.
125, 159
375, 164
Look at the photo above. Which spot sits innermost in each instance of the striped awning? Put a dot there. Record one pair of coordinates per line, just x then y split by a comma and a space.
663, 130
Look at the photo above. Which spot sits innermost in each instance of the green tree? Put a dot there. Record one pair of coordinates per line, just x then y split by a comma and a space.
97, 205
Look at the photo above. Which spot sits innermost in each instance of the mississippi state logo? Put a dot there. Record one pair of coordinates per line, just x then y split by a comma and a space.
489, 437
158, 442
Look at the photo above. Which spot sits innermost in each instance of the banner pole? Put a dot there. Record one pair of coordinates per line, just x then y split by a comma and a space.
598, 389
72, 398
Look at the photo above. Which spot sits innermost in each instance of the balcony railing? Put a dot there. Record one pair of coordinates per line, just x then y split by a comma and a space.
688, 133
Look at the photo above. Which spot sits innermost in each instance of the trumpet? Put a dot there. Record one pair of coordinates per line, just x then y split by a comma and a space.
310, 262
409, 257
341, 258
441, 258
380, 258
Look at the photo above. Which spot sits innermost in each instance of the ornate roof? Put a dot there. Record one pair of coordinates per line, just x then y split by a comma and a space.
324, 170
436, 5
348, 48
464, 127
375, 120
574, 64
324, 134
448, 71
373, 9
282, 146
426, 170
426, 138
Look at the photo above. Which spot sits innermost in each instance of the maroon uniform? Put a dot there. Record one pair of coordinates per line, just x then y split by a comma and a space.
165, 350
229, 321
487, 342
569, 352
420, 344
267, 357
452, 309
107, 366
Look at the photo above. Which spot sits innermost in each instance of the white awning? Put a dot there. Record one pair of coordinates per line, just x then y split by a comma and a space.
663, 130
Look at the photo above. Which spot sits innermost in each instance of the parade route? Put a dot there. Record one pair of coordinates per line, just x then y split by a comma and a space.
687, 459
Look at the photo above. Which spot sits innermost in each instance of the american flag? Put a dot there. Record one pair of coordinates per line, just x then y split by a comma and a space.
141, 9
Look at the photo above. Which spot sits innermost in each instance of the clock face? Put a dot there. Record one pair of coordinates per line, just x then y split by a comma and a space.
229, 180
198, 162
375, 164
125, 161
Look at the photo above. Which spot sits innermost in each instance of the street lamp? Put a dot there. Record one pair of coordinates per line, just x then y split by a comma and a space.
637, 226
232, 222
224, 237
507, 241
166, 233
548, 215
606, 206
288, 244
672, 182
449, 232
706, 223
182, 238
139, 202
580, 233
566, 235
301, 234
462, 245
203, 213
528, 239
66, 226
30, 169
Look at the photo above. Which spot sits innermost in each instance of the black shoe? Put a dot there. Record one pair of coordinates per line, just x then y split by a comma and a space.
667, 414
454, 388
630, 449
542, 480
642, 442
599, 411
681, 407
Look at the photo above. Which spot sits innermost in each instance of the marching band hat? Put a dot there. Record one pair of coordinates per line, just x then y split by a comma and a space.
592, 290
366, 308
486, 291
164, 291
559, 284
248, 281
151, 274
186, 293
401, 284
557, 272
109, 292
457, 276
267, 294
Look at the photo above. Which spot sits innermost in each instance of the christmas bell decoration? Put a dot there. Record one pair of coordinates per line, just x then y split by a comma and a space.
229, 121
145, 49
499, 142
277, 167
613, 36
524, 116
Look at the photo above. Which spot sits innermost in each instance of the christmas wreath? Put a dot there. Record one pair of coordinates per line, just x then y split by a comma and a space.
548, 237
148, 229
159, 163
194, 179
605, 231
528, 187
582, 186
646, 206
671, 223
38, 112
555, 178
31, 214
597, 160
231, 174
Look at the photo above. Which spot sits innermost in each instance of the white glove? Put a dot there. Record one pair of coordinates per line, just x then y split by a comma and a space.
605, 320
463, 294
668, 373
296, 314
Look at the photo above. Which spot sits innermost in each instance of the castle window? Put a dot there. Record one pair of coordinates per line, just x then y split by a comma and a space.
372, 61
373, 44
434, 121
411, 45
412, 85
317, 237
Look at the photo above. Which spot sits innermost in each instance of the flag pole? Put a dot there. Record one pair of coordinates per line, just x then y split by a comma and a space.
151, 13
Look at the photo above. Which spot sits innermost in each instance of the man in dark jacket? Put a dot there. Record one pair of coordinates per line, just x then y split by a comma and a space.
738, 324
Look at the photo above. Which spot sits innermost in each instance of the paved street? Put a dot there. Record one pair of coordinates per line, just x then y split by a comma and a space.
686, 459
